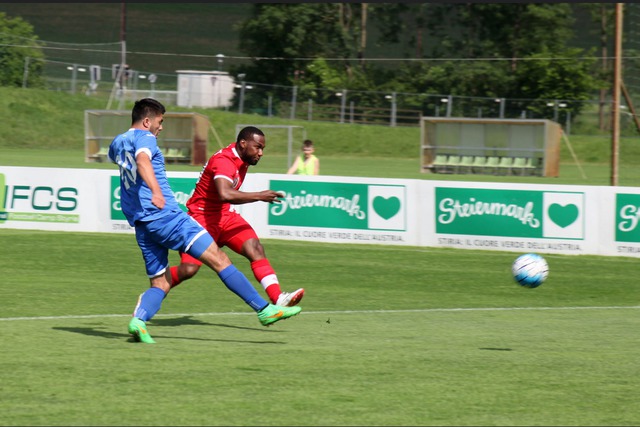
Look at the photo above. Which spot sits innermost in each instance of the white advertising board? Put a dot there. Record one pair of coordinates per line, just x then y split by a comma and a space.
562, 219
336, 209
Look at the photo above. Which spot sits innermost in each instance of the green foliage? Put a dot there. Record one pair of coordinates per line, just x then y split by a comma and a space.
290, 32
475, 29
17, 43
533, 35
527, 41
327, 40
524, 29
474, 78
203, 29
320, 75
322, 81
545, 77
391, 19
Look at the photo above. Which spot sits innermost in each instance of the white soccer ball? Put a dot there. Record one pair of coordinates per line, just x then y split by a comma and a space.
530, 270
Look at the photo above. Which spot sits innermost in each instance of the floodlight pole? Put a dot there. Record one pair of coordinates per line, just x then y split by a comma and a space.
123, 33
615, 110
119, 81
123, 53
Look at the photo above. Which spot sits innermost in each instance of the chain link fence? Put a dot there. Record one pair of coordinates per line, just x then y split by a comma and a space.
333, 105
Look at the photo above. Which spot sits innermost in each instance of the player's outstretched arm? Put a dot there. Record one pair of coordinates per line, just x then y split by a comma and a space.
228, 194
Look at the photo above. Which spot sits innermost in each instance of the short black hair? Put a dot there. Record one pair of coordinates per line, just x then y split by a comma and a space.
146, 107
248, 132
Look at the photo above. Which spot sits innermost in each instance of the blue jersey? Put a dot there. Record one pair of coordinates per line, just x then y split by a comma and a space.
135, 195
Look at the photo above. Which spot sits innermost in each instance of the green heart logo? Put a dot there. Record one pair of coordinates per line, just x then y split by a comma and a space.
563, 215
386, 208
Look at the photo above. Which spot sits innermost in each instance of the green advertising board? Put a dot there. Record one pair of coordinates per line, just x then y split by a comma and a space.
627, 216
509, 213
42, 202
182, 190
339, 205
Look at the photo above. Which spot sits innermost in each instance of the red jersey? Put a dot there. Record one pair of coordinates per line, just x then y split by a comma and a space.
224, 164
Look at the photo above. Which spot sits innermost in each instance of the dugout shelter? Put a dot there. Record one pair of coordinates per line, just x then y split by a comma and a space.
490, 146
184, 137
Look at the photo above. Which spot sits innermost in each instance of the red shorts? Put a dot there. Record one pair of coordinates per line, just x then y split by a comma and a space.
227, 229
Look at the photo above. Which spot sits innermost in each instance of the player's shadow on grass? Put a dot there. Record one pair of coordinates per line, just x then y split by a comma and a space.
92, 332
96, 332
188, 320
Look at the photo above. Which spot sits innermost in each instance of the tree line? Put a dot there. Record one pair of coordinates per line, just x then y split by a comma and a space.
512, 50
516, 50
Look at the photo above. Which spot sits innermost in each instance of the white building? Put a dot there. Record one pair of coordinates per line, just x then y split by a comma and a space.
207, 89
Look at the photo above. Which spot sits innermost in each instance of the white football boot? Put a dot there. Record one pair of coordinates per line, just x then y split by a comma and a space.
289, 299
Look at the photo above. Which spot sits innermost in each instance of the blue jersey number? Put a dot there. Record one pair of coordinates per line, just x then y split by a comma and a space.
128, 170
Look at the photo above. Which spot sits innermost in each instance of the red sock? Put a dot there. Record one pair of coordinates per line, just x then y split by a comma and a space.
175, 281
265, 274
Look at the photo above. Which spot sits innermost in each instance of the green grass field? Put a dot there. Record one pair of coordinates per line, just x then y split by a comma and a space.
387, 336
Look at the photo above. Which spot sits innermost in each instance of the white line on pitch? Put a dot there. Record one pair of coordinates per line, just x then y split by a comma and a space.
418, 310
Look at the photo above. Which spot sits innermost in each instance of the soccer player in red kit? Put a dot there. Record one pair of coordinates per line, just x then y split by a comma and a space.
217, 188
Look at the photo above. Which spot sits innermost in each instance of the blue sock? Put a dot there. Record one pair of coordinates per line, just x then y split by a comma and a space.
149, 304
240, 285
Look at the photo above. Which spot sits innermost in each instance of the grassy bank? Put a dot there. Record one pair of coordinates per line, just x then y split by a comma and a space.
46, 129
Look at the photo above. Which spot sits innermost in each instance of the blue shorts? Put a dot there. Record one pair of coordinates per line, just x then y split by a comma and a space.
178, 232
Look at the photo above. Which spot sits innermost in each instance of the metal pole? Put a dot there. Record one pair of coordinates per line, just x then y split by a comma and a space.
615, 110
269, 105
123, 52
294, 96
74, 77
343, 105
310, 110
25, 75
555, 110
219, 90
241, 103
393, 109
116, 86
216, 92
190, 92
351, 107
289, 147
220, 59
123, 32
449, 105
502, 101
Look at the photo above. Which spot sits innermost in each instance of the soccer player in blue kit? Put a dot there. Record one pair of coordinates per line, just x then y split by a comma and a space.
160, 224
